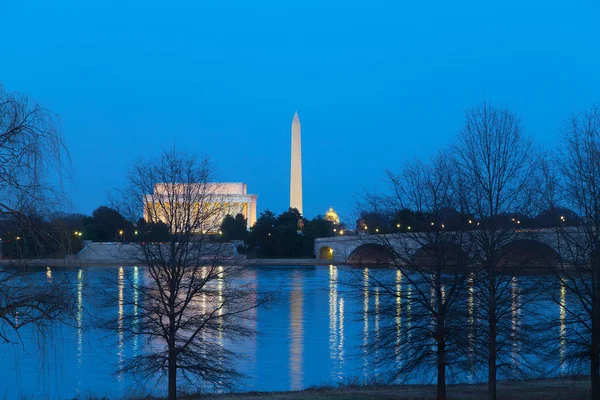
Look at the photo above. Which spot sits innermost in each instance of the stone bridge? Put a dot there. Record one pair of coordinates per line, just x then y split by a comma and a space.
376, 247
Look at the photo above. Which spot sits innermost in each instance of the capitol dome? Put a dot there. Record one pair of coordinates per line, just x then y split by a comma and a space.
332, 216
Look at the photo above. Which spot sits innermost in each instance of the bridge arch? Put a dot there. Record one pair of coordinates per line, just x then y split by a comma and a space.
447, 253
527, 254
371, 253
325, 253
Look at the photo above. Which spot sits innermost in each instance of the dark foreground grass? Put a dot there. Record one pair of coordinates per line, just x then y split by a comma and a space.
541, 389
547, 389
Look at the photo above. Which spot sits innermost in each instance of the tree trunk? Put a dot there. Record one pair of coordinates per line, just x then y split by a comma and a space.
440, 333
595, 371
595, 345
595, 350
492, 338
441, 358
171, 341
172, 375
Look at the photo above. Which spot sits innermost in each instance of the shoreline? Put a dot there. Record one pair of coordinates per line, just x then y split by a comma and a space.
75, 263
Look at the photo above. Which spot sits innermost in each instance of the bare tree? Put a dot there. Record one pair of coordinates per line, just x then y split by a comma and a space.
495, 162
575, 183
424, 242
191, 300
33, 158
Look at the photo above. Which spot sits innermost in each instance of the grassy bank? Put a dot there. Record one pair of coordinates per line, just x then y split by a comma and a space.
541, 389
550, 389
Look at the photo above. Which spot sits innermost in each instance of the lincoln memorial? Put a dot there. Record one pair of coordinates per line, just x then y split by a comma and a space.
229, 198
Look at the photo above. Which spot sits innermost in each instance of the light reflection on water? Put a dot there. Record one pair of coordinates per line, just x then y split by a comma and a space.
79, 326
515, 320
336, 326
398, 315
297, 333
312, 332
365, 322
562, 334
136, 295
333, 314
471, 325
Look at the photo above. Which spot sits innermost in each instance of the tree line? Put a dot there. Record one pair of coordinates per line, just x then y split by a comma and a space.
407, 220
273, 236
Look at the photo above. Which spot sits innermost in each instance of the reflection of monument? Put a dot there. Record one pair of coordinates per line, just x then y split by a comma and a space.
296, 333
296, 170
332, 216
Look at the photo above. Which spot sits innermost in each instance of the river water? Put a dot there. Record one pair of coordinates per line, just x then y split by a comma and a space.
310, 334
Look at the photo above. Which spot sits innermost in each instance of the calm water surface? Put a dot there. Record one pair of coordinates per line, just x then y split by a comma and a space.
310, 334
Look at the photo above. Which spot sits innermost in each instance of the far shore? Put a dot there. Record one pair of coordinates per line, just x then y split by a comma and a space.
75, 263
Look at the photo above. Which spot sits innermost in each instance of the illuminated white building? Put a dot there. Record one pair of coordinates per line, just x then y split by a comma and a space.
221, 198
296, 169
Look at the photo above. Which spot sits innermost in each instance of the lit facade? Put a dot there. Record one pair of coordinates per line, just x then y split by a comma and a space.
296, 166
215, 199
332, 216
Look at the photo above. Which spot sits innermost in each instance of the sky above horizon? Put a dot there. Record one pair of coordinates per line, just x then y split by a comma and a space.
374, 83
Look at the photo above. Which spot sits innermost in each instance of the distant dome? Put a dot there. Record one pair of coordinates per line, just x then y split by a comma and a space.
332, 216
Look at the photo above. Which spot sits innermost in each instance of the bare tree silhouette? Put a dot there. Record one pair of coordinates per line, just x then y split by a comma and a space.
572, 178
33, 160
191, 298
496, 165
429, 286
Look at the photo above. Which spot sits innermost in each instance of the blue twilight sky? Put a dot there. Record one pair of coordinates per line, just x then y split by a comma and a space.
373, 82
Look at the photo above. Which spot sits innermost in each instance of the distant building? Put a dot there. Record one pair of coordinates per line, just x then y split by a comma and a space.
224, 198
332, 216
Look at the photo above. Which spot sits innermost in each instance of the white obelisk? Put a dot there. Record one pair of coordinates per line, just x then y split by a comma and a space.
296, 172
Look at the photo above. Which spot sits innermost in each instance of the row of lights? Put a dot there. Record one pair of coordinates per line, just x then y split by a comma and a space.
122, 232
397, 226
433, 223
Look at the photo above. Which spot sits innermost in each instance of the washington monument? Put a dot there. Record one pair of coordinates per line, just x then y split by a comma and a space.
296, 172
